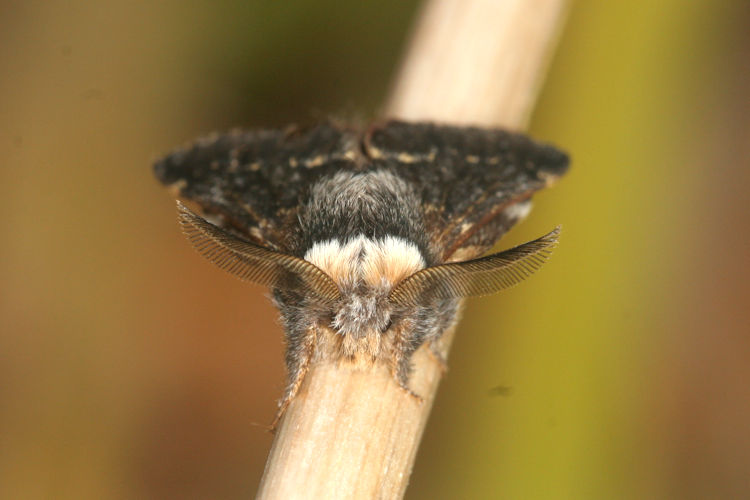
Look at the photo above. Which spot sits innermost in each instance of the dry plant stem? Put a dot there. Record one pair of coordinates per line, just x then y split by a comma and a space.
354, 433
477, 62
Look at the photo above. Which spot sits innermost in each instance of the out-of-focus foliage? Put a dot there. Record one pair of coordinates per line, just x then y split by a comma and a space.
130, 368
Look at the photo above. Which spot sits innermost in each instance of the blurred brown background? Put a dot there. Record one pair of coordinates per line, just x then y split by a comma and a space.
131, 368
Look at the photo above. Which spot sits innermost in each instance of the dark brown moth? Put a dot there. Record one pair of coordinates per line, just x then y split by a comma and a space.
368, 240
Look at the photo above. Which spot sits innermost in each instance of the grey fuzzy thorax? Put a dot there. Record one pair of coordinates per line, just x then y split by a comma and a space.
375, 204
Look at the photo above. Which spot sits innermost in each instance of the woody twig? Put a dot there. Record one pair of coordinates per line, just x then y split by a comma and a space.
354, 433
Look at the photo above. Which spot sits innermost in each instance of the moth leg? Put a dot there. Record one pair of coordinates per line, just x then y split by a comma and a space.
400, 363
403, 383
298, 366
436, 352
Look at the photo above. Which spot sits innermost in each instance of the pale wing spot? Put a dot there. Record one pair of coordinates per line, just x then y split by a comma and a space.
175, 189
407, 158
316, 161
548, 178
374, 152
518, 211
466, 226
465, 253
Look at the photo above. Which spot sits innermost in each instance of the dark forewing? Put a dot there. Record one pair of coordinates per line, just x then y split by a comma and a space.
253, 180
469, 178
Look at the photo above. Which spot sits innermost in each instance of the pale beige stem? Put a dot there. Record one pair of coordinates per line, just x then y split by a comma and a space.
477, 61
354, 433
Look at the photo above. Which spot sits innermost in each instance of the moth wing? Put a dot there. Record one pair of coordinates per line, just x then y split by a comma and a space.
252, 181
475, 183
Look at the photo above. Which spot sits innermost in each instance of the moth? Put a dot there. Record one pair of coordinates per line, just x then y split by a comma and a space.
367, 239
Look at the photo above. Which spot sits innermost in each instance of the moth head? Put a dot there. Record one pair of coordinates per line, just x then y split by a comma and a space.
382, 281
366, 272
365, 285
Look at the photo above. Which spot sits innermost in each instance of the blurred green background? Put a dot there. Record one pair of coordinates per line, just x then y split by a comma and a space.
130, 368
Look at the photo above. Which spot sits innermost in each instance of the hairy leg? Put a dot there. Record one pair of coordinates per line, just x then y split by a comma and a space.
400, 361
298, 364
437, 353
